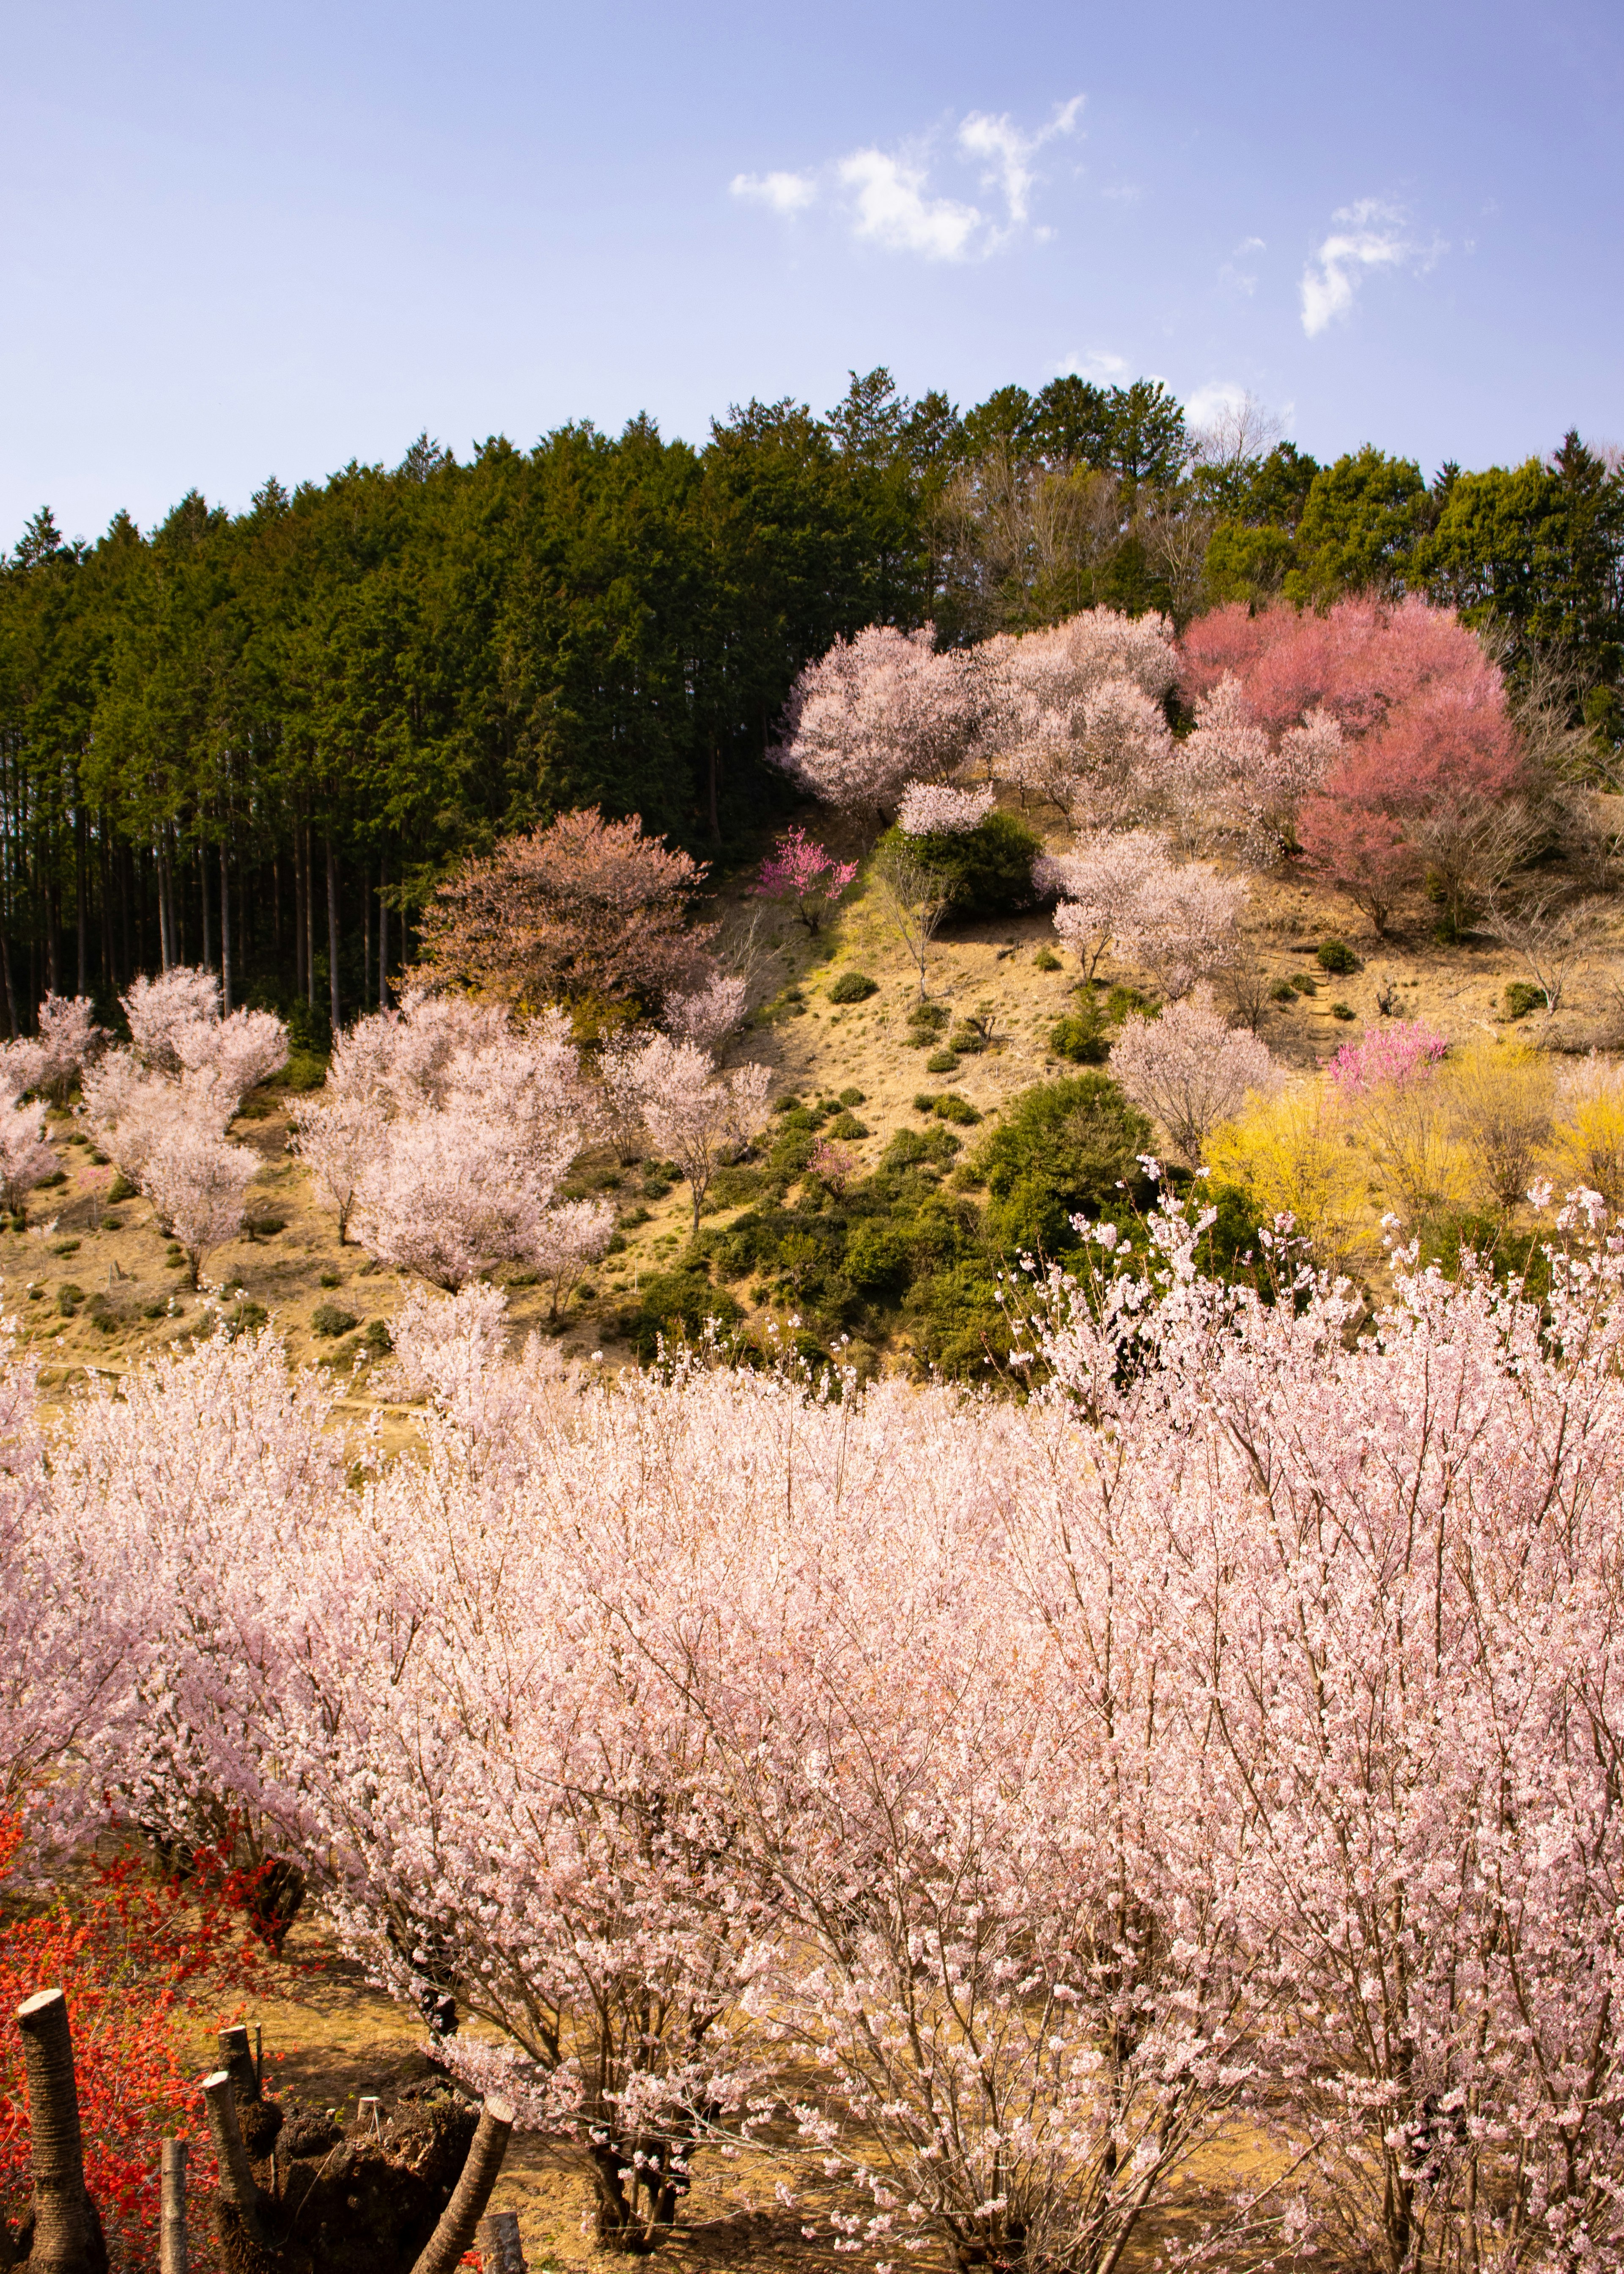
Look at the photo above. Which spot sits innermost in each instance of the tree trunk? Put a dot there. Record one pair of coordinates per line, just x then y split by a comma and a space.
498, 2242
299, 912
461, 2215
332, 936
172, 2208
383, 937
309, 922
79, 884
208, 942
225, 928
67, 2231
237, 2184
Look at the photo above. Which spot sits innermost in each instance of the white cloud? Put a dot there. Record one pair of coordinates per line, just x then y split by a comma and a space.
1371, 237
1219, 399
890, 200
1001, 142
891, 207
785, 193
1103, 368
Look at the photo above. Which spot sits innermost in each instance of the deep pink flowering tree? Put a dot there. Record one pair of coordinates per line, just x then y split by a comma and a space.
803, 872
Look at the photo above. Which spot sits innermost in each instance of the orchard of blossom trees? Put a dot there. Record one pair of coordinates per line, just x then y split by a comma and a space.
1375, 742
997, 1812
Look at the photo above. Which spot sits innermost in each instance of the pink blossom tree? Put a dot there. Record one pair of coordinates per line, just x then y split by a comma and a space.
1100, 883
1398, 1050
70, 1038
335, 1138
698, 1117
883, 709
1178, 921
707, 1015
198, 1186
1191, 1069
937, 810
805, 874
572, 1234
24, 1156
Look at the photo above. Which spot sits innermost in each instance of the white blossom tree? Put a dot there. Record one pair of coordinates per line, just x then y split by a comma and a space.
197, 1186
695, 1115
1191, 1069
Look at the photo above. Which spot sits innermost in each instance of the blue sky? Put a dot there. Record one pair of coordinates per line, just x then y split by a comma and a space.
241, 239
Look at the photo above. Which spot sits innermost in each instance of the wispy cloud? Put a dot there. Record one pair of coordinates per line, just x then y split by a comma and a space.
1236, 274
1010, 152
892, 209
1372, 235
785, 193
887, 197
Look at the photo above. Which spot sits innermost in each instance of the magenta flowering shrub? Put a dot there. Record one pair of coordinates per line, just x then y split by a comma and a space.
1398, 1050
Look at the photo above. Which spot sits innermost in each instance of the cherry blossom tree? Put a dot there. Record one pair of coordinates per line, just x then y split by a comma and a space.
707, 1015
935, 810
572, 1234
695, 1115
1100, 883
1250, 783
197, 1186
883, 709
335, 1138
159, 1010
448, 1124
24, 1156
805, 874
1178, 921
1191, 1069
584, 906
70, 1038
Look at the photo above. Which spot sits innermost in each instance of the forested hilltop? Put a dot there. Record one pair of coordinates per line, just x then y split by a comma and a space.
259, 741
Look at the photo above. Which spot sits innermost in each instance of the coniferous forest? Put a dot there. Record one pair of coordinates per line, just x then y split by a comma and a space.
257, 741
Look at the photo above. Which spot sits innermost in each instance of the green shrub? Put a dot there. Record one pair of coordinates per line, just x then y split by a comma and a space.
331, 1279
852, 1097
1046, 960
912, 1147
306, 1069
68, 1298
968, 1038
942, 1062
878, 1260
1343, 1011
1063, 1150
987, 868
56, 1177
927, 1019
950, 1107
263, 1227
1521, 998
1283, 991
1082, 1035
676, 1305
1304, 983
378, 1341
327, 1319
1125, 1002
65, 1247
1336, 956
120, 1189
853, 987
847, 1126
246, 1318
